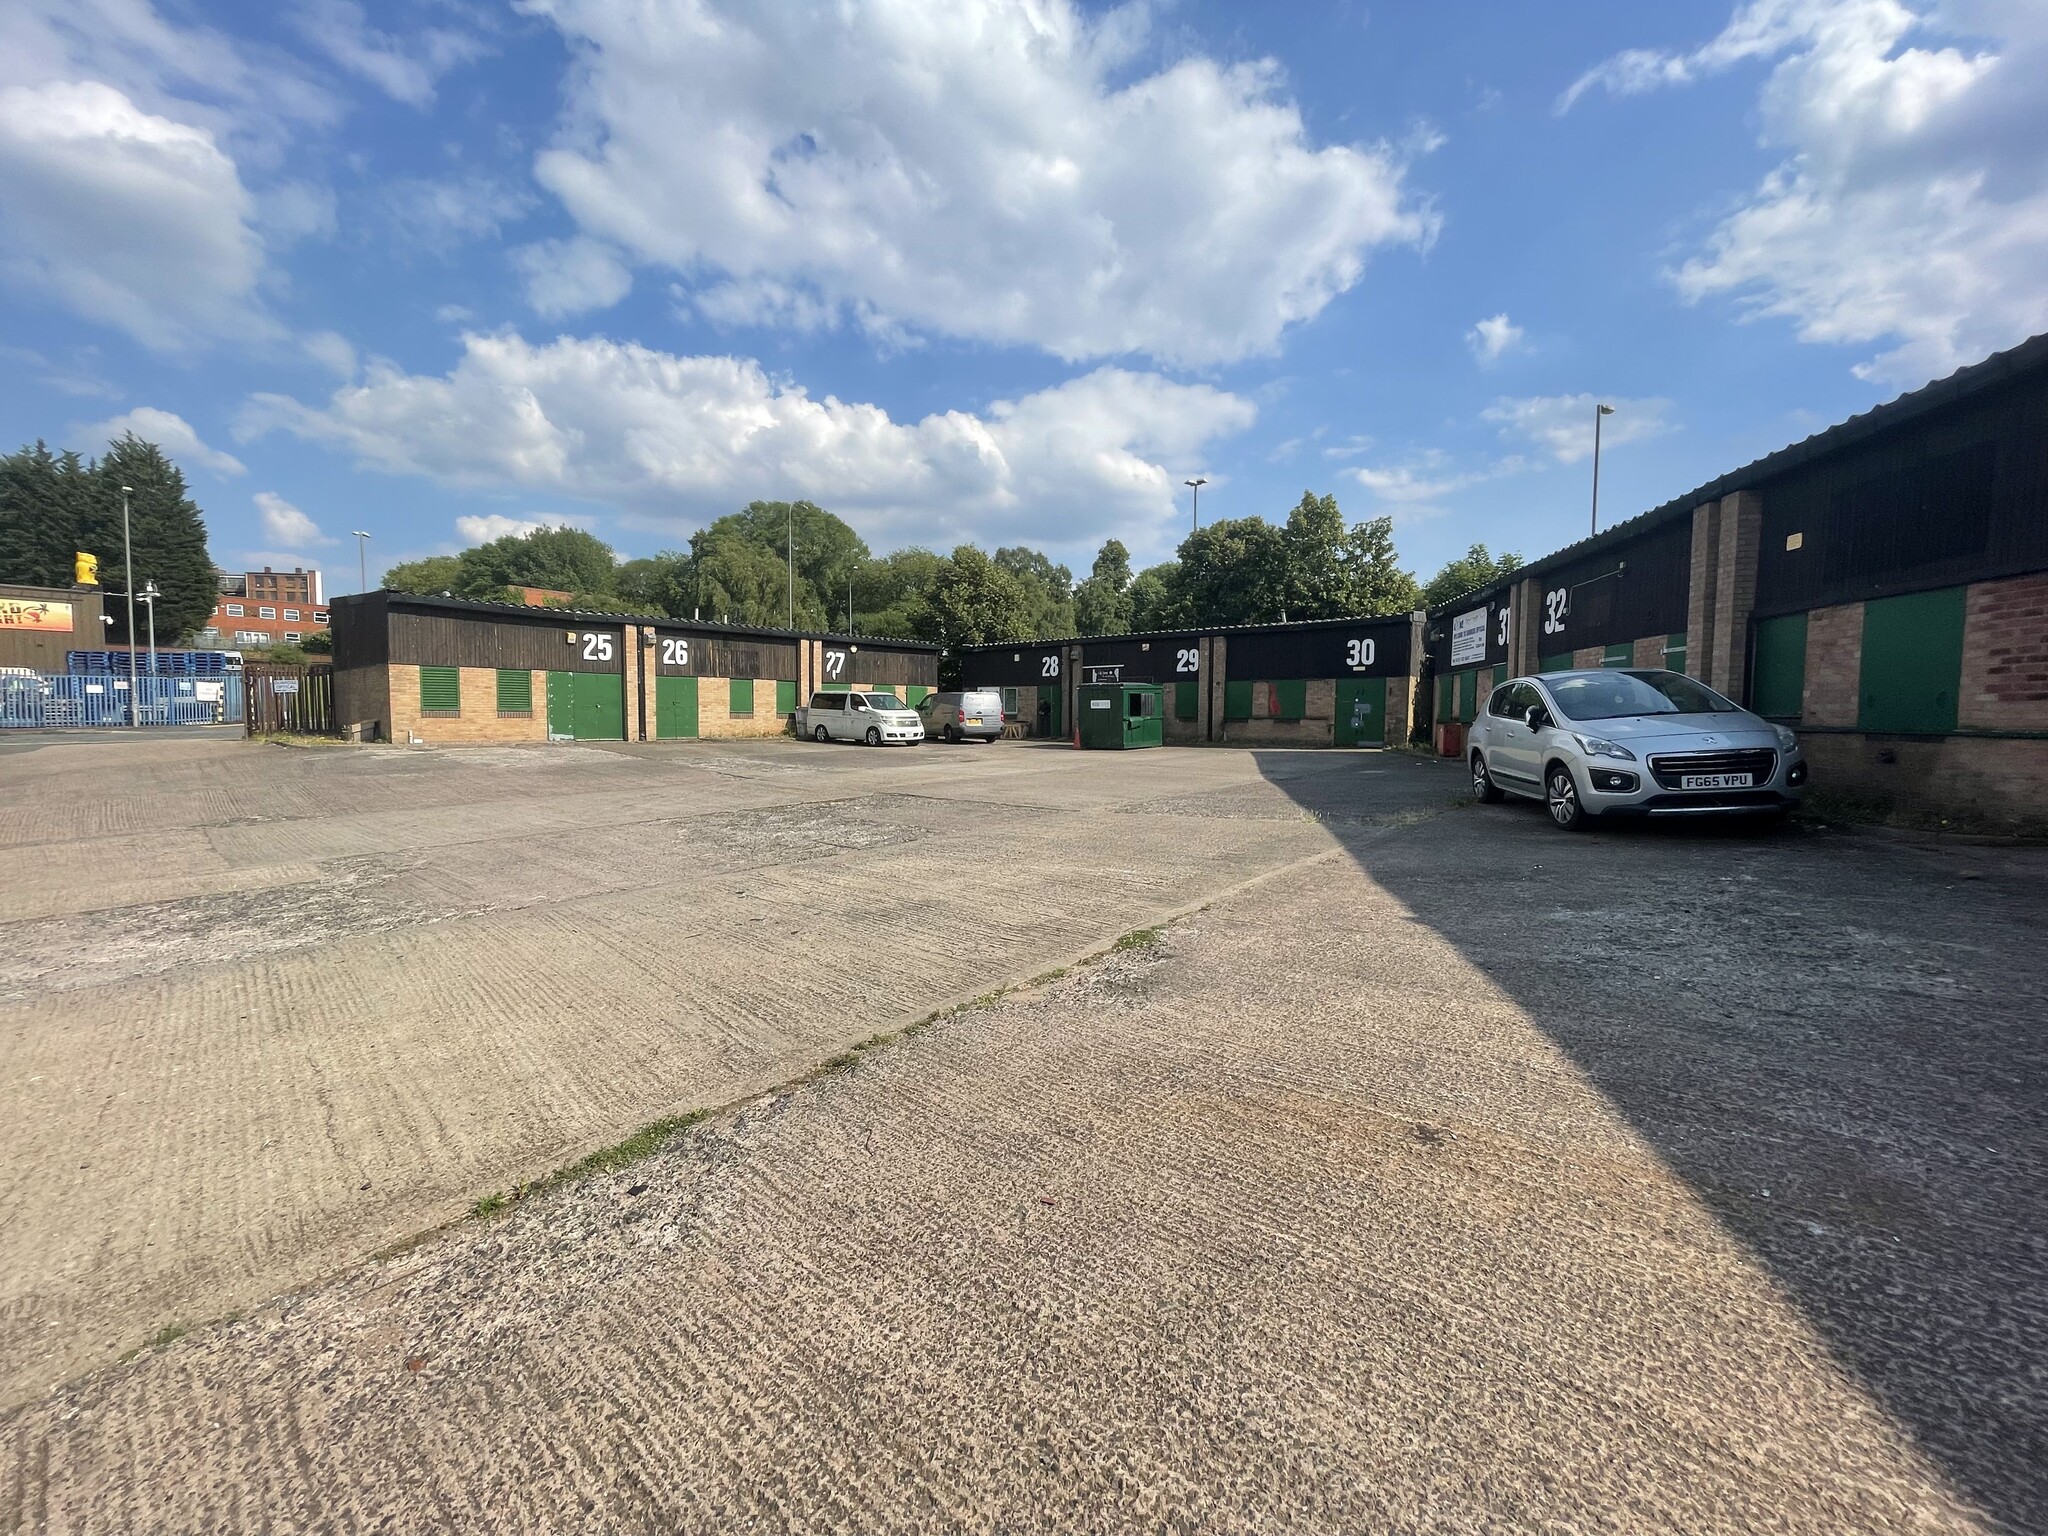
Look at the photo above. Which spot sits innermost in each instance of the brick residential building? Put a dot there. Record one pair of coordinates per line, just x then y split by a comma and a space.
266, 607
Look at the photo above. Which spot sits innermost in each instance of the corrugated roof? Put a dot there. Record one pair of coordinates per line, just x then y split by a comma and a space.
658, 620
1999, 368
1289, 627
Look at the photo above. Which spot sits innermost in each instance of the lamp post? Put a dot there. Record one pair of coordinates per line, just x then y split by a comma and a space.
849, 602
362, 561
789, 549
128, 564
1598, 412
1197, 485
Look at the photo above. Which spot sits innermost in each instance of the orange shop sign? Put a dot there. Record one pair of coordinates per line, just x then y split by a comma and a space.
26, 613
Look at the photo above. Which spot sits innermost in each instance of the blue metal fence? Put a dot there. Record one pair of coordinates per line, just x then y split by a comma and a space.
44, 701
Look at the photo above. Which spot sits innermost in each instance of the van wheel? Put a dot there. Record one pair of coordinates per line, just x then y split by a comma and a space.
1484, 789
874, 736
951, 733
821, 734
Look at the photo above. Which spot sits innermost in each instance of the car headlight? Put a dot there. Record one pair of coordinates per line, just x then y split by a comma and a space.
1598, 746
1786, 740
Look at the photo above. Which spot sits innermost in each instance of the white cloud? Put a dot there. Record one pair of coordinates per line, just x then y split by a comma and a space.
127, 218
171, 433
1912, 207
332, 351
571, 277
1562, 425
1493, 337
996, 169
286, 524
405, 69
440, 215
495, 525
671, 439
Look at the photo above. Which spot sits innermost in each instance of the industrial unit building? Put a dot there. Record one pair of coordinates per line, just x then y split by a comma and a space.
448, 670
1328, 682
1881, 586
40, 626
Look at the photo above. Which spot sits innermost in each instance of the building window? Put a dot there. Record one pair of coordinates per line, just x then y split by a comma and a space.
319, 615
234, 610
515, 692
291, 615
440, 691
292, 635
266, 613
251, 637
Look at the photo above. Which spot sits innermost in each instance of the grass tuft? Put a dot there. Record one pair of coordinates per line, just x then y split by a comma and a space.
1137, 938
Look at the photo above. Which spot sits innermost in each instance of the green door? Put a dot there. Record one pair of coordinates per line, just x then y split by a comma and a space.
1049, 693
599, 708
561, 705
675, 708
1361, 711
1912, 662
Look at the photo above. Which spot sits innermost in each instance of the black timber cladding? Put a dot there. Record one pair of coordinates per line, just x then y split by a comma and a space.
1626, 592
1458, 631
1017, 665
895, 664
1325, 648
1954, 497
691, 651
1145, 658
549, 641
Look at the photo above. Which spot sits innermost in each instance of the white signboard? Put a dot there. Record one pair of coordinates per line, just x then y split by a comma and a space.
210, 692
1468, 638
1099, 703
284, 685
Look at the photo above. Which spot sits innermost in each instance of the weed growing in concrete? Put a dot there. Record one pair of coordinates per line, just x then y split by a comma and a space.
490, 1205
1138, 938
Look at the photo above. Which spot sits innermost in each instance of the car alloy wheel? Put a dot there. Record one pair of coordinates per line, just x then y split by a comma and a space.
874, 737
1484, 789
1563, 798
821, 734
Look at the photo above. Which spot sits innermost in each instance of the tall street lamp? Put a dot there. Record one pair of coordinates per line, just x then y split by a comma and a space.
789, 548
128, 564
1197, 487
1598, 412
362, 561
149, 594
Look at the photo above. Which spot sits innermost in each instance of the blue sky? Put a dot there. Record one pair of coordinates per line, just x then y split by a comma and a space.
994, 270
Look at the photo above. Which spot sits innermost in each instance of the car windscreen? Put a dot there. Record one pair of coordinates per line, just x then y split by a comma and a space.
1610, 695
885, 701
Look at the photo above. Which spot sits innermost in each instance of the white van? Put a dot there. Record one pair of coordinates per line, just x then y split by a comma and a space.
874, 718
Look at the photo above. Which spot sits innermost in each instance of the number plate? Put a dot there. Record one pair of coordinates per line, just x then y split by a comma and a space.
970, 719
1716, 781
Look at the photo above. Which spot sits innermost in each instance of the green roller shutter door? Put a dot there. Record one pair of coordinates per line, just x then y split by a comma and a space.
441, 690
600, 706
1361, 711
1777, 667
675, 708
1237, 701
1468, 696
785, 699
1187, 701
1912, 662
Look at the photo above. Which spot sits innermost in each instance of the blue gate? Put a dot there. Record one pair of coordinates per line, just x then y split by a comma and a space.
44, 701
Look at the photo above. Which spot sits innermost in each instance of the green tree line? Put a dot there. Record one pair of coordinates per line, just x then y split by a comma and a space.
1314, 565
54, 505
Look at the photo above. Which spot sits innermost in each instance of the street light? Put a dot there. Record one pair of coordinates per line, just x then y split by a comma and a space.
1197, 485
128, 563
789, 547
362, 561
1598, 412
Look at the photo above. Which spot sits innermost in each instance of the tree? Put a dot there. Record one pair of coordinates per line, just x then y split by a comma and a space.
167, 533
1376, 584
1102, 602
1475, 568
656, 584
427, 578
564, 559
973, 601
1048, 592
44, 498
1156, 600
890, 593
1233, 572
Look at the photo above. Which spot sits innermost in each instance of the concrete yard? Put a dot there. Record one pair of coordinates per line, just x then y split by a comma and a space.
1430, 1171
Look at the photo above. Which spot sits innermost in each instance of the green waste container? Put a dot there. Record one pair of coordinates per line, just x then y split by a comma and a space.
1122, 715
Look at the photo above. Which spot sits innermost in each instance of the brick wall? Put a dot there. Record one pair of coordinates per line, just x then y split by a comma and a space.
478, 724
1585, 656
2001, 779
1649, 651
1735, 591
1316, 728
2005, 656
1834, 663
714, 710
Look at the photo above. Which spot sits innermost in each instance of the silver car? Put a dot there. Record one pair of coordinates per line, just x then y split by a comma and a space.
845, 715
1630, 742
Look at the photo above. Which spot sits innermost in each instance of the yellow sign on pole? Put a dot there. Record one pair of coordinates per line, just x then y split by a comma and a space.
29, 613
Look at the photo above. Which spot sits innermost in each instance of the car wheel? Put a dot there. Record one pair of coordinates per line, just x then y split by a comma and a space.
874, 736
952, 733
1562, 796
821, 734
1484, 789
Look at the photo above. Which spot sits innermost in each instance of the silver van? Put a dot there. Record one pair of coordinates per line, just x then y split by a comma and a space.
874, 718
971, 716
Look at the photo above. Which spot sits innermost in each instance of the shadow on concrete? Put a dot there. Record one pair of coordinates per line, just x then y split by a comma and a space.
1840, 1043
